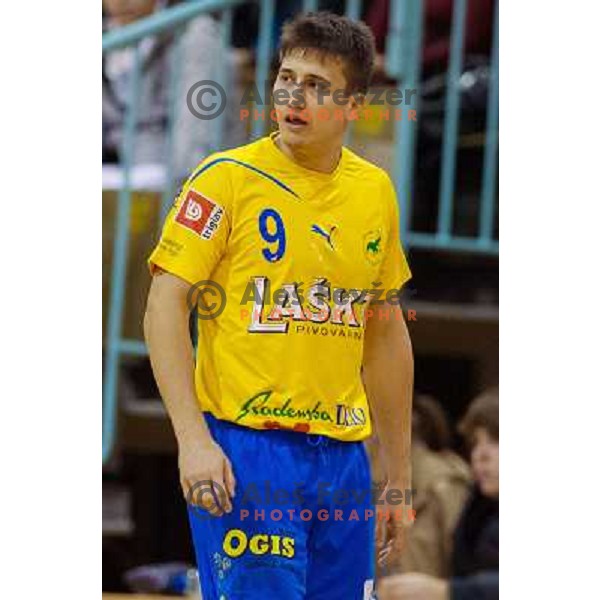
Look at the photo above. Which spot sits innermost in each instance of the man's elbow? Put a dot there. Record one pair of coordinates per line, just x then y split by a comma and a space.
159, 296
167, 298
389, 331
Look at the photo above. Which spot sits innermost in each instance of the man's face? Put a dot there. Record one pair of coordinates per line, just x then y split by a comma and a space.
308, 97
485, 461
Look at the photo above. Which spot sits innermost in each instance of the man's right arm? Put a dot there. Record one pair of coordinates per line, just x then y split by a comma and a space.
201, 460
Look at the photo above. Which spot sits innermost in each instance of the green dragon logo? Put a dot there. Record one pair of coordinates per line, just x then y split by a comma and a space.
373, 246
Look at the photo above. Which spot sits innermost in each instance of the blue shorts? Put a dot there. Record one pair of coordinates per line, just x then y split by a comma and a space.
302, 524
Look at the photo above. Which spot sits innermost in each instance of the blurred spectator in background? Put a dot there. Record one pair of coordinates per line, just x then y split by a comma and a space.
202, 57
474, 570
441, 482
438, 27
473, 86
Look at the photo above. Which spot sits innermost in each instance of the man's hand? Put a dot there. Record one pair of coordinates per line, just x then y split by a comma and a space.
390, 530
412, 586
206, 476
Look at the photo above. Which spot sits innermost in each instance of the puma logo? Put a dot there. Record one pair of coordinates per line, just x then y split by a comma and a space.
319, 231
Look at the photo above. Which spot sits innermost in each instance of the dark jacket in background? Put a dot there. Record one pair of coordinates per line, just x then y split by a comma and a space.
438, 28
476, 550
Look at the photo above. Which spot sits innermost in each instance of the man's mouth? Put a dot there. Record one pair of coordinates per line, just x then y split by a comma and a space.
295, 119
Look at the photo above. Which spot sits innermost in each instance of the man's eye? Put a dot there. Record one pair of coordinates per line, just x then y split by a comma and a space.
284, 78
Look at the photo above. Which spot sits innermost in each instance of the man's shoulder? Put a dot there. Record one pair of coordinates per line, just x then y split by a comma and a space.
241, 155
357, 166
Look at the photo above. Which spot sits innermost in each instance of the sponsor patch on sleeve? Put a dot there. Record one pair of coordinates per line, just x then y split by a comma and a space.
201, 215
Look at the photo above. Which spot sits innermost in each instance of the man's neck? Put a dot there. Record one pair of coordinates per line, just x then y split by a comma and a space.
324, 161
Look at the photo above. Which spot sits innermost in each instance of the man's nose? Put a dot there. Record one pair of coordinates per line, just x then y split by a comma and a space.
297, 99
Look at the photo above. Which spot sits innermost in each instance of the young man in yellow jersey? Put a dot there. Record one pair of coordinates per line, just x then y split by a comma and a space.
270, 416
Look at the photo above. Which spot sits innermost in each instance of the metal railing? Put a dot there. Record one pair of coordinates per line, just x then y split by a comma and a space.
115, 346
403, 60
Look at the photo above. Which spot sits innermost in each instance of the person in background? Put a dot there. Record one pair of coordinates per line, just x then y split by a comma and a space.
203, 57
437, 30
441, 482
474, 569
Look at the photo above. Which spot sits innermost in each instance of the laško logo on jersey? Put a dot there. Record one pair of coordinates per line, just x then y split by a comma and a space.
200, 214
322, 307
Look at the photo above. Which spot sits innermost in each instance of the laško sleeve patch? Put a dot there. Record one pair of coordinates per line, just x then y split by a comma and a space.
200, 214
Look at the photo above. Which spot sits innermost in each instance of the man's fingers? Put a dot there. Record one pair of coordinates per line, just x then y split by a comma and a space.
384, 554
221, 497
203, 491
210, 493
198, 492
389, 552
229, 479
185, 488
379, 533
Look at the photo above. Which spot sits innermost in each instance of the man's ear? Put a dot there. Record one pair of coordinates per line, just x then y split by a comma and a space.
356, 101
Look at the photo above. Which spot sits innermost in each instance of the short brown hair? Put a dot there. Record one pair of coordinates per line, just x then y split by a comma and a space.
329, 34
484, 413
429, 423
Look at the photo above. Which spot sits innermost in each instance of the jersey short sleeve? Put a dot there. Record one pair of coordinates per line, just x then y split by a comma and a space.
394, 271
195, 233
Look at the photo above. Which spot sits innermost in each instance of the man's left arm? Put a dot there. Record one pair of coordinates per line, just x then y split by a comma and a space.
388, 377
